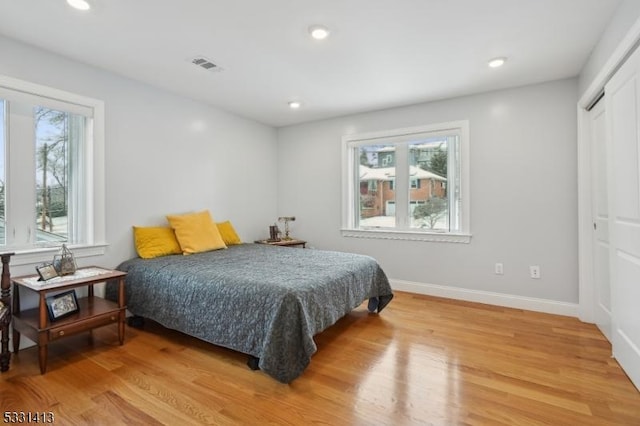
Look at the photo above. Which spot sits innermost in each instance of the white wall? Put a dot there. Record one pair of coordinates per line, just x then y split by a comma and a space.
523, 199
624, 18
164, 153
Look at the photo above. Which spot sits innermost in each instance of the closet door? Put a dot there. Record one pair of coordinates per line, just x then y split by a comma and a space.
600, 218
623, 157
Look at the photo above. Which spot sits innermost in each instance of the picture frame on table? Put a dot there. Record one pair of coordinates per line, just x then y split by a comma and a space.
46, 271
62, 305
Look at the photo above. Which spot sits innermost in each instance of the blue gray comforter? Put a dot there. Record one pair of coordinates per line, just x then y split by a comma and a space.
261, 300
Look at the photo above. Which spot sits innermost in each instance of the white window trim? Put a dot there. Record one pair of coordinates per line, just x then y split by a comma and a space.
348, 188
95, 197
444, 237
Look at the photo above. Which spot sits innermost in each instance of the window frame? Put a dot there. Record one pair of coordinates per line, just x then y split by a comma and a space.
95, 240
349, 194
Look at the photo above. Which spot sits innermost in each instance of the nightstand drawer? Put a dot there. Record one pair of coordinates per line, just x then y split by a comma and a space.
84, 325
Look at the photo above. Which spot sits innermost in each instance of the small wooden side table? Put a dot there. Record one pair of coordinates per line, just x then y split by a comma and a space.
93, 311
284, 243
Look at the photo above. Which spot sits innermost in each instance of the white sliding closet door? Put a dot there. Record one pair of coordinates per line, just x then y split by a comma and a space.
623, 123
600, 217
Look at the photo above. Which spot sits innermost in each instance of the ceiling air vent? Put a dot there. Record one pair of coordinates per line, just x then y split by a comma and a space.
203, 62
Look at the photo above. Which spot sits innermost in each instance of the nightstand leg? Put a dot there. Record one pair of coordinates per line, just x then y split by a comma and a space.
42, 357
16, 341
122, 314
42, 335
16, 309
121, 328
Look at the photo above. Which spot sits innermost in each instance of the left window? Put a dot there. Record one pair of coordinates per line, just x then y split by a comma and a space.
51, 187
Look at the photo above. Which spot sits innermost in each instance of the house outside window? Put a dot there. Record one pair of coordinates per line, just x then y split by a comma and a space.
51, 173
424, 175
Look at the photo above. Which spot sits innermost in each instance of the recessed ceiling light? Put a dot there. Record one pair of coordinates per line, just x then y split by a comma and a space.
497, 62
295, 104
318, 32
79, 4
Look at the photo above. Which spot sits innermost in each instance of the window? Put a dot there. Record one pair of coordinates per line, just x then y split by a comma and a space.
427, 173
51, 174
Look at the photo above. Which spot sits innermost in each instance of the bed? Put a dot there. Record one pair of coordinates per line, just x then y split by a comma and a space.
264, 301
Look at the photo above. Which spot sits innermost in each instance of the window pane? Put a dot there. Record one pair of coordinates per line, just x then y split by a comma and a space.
455, 184
377, 172
428, 174
58, 136
3, 120
408, 183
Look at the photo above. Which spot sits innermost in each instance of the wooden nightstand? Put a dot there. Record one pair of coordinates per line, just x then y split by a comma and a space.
93, 311
285, 243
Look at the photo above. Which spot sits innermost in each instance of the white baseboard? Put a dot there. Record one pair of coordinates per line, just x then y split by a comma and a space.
498, 299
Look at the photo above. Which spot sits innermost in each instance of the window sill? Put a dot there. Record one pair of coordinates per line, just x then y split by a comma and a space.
36, 255
407, 235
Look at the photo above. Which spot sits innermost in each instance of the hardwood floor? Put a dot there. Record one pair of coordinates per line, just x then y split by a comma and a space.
424, 360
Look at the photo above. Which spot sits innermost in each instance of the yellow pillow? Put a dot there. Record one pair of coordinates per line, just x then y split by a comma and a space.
196, 232
228, 233
155, 241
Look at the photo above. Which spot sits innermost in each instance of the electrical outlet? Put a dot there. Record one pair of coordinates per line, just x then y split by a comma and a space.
534, 271
499, 269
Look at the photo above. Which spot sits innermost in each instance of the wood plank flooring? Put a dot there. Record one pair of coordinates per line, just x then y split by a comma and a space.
424, 360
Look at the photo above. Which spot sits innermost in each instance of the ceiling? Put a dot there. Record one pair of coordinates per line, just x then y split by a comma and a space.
380, 53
